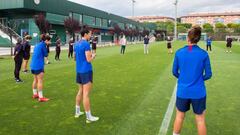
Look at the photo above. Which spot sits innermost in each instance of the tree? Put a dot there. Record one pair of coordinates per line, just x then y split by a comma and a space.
161, 25
42, 24
71, 26
187, 25
170, 29
167, 26
117, 30
234, 27
230, 25
220, 27
181, 29
145, 32
207, 27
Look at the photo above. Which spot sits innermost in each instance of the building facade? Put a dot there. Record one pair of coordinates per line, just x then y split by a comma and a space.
21, 13
212, 18
151, 19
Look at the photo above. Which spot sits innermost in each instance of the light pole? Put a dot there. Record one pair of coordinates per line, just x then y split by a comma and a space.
133, 2
175, 25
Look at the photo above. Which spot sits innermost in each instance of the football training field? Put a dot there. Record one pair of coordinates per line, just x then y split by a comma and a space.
131, 94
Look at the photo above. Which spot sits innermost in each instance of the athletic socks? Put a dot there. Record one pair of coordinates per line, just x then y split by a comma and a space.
77, 109
35, 92
88, 114
40, 94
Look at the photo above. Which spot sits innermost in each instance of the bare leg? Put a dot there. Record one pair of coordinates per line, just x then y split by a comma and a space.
86, 101
178, 122
35, 82
40, 81
201, 124
79, 95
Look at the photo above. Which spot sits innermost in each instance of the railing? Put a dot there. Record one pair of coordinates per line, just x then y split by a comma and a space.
9, 31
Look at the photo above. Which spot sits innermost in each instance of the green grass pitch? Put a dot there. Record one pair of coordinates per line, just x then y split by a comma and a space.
130, 94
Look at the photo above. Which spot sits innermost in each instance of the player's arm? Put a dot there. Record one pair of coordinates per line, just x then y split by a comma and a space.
45, 53
74, 56
90, 56
175, 67
207, 69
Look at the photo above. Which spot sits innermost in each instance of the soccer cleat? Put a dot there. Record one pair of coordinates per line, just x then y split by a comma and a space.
35, 96
19, 81
78, 114
43, 99
92, 119
25, 71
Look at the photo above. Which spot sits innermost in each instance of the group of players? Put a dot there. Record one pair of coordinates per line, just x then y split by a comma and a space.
191, 67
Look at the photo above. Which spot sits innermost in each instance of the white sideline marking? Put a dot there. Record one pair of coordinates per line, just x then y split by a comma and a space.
168, 115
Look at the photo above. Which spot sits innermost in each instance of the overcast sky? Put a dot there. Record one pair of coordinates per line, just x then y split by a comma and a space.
161, 7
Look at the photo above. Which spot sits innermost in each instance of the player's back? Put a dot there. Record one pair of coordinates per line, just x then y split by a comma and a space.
191, 64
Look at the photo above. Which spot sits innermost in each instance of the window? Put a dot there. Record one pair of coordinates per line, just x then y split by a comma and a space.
218, 20
77, 17
89, 20
98, 22
56, 19
104, 23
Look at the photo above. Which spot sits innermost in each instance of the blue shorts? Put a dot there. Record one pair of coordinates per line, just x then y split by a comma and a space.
198, 105
37, 72
84, 78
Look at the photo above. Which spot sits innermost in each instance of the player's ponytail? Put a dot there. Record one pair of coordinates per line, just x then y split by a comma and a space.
194, 35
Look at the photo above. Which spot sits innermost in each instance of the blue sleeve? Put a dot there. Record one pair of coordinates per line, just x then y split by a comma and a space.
87, 47
175, 67
45, 53
75, 47
207, 69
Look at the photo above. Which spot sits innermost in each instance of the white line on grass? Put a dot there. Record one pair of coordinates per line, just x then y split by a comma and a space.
168, 115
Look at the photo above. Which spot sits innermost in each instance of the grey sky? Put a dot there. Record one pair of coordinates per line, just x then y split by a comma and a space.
161, 7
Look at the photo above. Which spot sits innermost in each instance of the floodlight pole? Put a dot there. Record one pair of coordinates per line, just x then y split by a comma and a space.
133, 2
175, 25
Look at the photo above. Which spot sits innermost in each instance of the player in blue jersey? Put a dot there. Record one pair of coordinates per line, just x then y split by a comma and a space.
37, 67
192, 67
209, 44
84, 57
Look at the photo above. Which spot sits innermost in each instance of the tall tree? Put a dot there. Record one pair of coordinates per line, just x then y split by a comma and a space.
117, 30
71, 26
207, 27
42, 24
220, 27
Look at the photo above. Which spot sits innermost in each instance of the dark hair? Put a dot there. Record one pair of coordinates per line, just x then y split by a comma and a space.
45, 37
194, 34
84, 31
28, 37
19, 40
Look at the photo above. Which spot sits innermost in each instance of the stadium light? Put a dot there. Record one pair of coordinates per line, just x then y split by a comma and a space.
133, 2
175, 27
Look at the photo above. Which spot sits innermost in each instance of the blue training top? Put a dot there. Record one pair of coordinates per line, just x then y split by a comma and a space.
39, 52
82, 65
189, 67
209, 41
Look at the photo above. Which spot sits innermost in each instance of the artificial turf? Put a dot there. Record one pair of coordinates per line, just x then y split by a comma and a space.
130, 94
